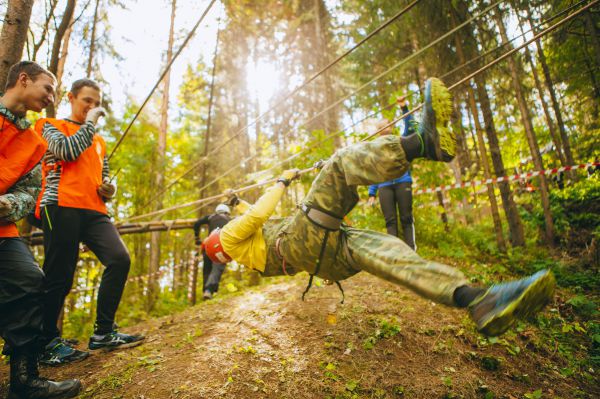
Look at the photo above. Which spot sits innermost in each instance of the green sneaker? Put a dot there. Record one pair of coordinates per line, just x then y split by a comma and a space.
496, 310
57, 353
114, 340
438, 140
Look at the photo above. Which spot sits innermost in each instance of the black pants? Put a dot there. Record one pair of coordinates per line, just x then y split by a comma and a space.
211, 274
64, 228
21, 285
394, 199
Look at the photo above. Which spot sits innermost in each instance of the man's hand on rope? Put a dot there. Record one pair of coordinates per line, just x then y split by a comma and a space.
94, 114
5, 207
288, 175
107, 190
401, 101
232, 199
319, 164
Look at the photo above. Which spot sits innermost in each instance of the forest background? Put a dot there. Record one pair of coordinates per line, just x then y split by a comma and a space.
222, 118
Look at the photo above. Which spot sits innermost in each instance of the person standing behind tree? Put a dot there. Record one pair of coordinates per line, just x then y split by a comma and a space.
396, 195
212, 272
28, 87
72, 207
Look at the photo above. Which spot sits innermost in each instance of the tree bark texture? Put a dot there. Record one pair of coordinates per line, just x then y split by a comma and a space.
90, 63
159, 181
517, 236
57, 44
516, 76
14, 35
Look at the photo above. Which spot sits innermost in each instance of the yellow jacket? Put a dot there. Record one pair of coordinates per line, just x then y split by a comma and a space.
242, 238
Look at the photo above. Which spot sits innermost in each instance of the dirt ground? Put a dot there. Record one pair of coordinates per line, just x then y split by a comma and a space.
383, 342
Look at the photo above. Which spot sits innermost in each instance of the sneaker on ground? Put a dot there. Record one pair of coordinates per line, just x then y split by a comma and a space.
207, 295
498, 308
58, 353
439, 141
115, 340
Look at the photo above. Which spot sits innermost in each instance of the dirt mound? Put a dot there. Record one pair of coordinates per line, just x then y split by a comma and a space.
383, 342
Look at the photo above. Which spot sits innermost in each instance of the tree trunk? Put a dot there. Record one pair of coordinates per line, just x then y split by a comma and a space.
545, 108
209, 118
517, 236
61, 31
160, 169
90, 63
444, 213
486, 171
483, 154
462, 161
14, 35
61, 64
593, 33
531, 136
553, 98
323, 37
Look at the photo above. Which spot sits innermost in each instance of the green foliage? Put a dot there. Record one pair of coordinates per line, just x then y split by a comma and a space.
385, 329
537, 394
576, 211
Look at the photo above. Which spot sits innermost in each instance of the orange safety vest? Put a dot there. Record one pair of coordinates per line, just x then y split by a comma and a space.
20, 152
79, 179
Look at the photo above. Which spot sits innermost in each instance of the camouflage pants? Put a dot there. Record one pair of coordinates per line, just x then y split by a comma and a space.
350, 250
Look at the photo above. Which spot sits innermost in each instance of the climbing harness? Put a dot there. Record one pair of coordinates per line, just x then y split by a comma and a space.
329, 223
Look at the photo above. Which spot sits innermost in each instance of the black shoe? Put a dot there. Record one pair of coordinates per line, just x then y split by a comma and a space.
115, 340
439, 141
58, 353
25, 382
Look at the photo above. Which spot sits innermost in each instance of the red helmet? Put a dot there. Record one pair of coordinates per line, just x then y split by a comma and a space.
214, 249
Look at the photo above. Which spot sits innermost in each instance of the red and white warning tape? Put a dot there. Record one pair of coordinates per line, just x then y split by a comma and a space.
521, 176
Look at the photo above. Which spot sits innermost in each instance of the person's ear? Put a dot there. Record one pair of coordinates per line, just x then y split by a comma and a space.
22, 79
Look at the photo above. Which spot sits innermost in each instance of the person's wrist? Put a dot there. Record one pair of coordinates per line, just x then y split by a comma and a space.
284, 181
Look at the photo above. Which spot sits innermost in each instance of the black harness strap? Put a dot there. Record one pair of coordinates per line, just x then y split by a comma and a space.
318, 267
328, 223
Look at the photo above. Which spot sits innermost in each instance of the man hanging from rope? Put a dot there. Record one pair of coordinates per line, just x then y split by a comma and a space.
72, 208
28, 87
315, 240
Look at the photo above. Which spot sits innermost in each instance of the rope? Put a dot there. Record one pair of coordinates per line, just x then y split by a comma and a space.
289, 96
312, 78
495, 61
452, 87
162, 75
208, 122
397, 65
341, 100
214, 197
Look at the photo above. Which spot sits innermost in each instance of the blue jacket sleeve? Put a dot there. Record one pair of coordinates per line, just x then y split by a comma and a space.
373, 190
409, 123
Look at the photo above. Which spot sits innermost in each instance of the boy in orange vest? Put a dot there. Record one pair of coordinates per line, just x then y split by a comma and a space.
28, 87
72, 207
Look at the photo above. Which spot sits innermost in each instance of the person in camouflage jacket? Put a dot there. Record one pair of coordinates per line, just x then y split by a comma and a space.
311, 241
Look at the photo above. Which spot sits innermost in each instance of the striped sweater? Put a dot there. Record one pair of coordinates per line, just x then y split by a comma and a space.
63, 148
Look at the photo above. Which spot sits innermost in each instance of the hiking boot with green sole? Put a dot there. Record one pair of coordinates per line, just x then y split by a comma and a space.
497, 309
439, 141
